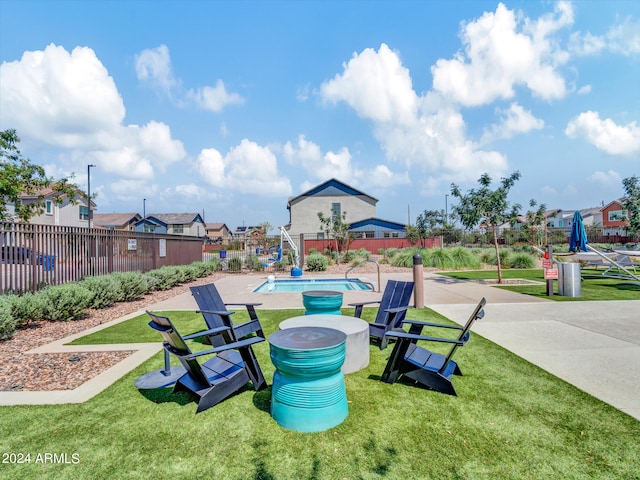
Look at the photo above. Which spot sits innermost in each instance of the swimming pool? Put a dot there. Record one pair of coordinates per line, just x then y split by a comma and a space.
302, 285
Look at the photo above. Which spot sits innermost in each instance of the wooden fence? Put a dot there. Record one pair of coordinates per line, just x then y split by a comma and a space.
34, 256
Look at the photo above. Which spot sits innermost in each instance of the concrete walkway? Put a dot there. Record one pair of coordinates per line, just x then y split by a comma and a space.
592, 345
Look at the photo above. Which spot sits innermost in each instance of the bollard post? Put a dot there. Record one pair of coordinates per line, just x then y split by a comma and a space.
418, 280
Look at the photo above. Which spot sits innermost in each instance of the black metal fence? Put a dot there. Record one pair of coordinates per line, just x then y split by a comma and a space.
34, 256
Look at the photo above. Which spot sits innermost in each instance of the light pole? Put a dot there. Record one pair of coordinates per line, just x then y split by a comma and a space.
144, 208
446, 208
89, 194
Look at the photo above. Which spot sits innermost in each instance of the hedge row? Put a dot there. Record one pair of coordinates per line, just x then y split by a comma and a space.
69, 301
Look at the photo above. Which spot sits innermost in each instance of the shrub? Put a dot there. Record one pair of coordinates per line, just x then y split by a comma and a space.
7, 321
132, 285
167, 277
317, 262
235, 264
105, 290
65, 302
28, 307
464, 258
358, 255
404, 257
438, 258
253, 262
521, 260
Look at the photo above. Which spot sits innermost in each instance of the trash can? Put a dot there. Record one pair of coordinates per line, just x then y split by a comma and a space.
569, 280
48, 262
223, 253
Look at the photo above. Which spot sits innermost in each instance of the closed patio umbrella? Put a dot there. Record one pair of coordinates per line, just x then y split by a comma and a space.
578, 239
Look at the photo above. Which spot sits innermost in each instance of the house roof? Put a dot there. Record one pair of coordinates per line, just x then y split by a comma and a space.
176, 218
216, 226
331, 187
119, 219
49, 192
377, 222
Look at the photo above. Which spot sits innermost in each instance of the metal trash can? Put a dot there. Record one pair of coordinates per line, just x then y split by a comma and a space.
569, 279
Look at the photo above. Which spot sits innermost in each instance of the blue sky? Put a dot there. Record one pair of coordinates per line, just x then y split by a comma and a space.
230, 108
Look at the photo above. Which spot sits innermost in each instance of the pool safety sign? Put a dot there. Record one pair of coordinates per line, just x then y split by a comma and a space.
550, 273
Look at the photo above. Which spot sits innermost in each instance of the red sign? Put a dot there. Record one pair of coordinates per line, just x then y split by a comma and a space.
546, 263
551, 274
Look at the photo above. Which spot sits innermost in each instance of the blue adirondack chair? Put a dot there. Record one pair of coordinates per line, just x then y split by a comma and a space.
233, 365
391, 312
215, 313
433, 370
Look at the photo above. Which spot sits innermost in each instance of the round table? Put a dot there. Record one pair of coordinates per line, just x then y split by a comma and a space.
308, 393
356, 330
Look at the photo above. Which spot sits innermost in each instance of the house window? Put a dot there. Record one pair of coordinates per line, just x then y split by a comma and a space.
335, 212
369, 234
617, 215
148, 228
320, 236
83, 213
177, 228
48, 207
356, 235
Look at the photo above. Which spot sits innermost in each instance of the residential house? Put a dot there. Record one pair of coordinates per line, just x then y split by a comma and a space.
217, 232
116, 221
615, 218
59, 209
377, 228
190, 224
332, 198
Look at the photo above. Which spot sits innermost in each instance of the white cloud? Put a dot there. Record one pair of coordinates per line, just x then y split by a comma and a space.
153, 66
68, 100
214, 98
607, 179
248, 168
375, 85
605, 134
514, 120
622, 38
498, 56
322, 165
585, 89
60, 98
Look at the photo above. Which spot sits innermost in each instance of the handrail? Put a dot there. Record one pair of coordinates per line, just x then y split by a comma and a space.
366, 283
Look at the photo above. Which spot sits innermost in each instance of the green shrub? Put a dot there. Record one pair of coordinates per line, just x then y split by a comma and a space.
521, 260
438, 258
317, 262
253, 262
313, 250
132, 285
65, 302
404, 257
28, 307
235, 264
489, 257
358, 255
167, 277
215, 265
105, 290
7, 321
464, 258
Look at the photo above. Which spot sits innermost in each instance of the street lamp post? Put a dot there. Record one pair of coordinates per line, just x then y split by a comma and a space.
89, 194
144, 208
446, 208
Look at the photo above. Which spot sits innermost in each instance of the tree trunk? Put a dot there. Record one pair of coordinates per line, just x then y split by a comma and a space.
495, 244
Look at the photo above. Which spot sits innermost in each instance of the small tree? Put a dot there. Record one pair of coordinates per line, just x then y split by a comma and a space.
536, 222
631, 202
487, 206
337, 228
412, 234
18, 176
428, 222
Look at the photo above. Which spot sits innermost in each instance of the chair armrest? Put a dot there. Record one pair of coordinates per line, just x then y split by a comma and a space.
359, 304
228, 346
411, 336
431, 324
216, 312
206, 332
398, 309
244, 304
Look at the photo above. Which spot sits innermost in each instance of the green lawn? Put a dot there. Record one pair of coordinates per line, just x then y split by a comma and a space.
593, 287
511, 420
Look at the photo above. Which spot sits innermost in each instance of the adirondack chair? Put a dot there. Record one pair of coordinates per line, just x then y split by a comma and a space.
433, 370
232, 367
392, 310
215, 314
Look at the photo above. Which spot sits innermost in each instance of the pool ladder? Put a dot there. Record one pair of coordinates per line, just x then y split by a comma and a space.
373, 288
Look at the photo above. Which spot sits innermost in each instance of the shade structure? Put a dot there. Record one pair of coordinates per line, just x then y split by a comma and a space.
578, 239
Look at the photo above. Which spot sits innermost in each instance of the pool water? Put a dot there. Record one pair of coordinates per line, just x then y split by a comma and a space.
311, 284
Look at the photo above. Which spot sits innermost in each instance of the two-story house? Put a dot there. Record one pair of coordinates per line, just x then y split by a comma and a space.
58, 208
615, 218
116, 221
190, 224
